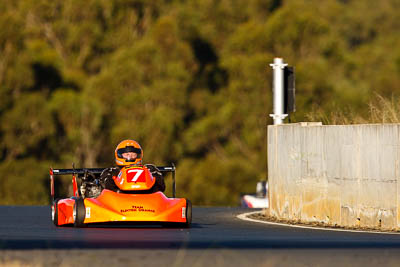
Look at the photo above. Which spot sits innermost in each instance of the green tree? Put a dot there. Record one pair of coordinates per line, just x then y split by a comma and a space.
190, 80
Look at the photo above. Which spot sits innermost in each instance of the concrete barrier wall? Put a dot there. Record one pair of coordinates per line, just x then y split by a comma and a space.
340, 175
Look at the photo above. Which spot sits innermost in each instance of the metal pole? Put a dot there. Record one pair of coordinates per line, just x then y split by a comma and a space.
277, 88
173, 182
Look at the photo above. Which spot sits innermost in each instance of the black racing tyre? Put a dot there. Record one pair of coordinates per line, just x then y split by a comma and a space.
79, 213
188, 213
54, 212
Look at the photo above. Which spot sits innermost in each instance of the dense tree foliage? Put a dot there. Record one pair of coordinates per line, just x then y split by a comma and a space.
189, 80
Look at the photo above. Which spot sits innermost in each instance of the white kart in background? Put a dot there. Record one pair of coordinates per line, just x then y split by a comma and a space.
258, 200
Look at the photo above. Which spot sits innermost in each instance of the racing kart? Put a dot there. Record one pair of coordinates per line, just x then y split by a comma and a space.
132, 202
259, 199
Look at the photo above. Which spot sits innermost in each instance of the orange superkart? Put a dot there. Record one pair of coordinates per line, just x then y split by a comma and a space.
133, 202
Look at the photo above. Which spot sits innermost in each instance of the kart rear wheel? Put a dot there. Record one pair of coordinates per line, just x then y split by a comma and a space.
79, 213
54, 212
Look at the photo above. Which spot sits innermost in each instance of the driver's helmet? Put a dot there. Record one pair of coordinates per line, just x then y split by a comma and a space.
126, 150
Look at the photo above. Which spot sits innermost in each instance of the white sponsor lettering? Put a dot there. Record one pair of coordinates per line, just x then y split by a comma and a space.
87, 212
184, 212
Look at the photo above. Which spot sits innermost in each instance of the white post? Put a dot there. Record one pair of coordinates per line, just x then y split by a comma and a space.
277, 89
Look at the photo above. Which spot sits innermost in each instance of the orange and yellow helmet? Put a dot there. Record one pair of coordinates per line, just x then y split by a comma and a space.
124, 151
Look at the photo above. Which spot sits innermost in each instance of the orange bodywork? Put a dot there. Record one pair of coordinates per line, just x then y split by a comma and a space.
111, 207
133, 202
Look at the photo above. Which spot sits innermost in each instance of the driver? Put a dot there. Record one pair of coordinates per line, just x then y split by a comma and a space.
129, 153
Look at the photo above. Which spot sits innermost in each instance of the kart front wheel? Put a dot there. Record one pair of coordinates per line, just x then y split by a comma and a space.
79, 213
188, 214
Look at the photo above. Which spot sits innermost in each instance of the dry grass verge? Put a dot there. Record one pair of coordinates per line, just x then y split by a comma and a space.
380, 110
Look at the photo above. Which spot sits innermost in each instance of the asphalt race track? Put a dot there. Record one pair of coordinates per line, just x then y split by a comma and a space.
217, 238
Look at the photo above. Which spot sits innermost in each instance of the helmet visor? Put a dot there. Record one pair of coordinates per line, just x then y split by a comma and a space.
128, 149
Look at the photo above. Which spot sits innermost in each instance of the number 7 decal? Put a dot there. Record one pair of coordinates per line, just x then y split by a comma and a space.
136, 177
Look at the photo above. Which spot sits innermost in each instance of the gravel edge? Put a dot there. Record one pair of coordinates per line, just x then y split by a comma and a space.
262, 217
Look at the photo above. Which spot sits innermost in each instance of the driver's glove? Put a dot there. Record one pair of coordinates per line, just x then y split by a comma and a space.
153, 169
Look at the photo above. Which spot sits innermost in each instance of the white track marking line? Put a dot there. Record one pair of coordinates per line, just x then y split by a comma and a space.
243, 216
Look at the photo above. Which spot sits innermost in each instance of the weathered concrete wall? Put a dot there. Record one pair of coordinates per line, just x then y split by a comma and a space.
341, 175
